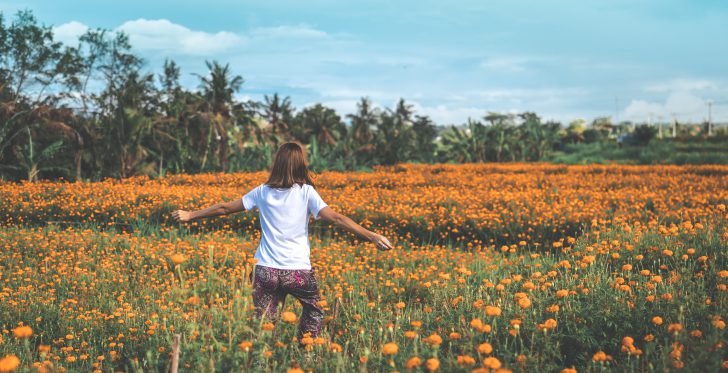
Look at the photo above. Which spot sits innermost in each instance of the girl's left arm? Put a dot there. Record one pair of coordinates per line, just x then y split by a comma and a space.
217, 209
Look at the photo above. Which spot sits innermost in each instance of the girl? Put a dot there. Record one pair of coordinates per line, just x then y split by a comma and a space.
283, 266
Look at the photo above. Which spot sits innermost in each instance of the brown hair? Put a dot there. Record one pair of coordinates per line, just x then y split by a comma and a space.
289, 167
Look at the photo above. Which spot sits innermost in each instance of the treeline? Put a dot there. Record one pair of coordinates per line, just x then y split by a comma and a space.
91, 111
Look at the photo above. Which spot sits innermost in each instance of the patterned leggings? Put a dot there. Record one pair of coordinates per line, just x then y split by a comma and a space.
270, 287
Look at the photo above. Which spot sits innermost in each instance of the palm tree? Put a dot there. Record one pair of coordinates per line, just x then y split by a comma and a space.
464, 145
363, 126
500, 135
321, 122
279, 114
218, 89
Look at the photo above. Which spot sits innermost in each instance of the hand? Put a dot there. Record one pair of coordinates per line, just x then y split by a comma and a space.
181, 215
381, 242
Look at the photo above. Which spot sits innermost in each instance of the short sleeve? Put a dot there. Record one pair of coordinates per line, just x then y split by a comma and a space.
315, 203
250, 200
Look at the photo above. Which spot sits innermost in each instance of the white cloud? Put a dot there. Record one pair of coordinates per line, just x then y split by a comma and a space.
160, 35
682, 105
505, 64
68, 33
163, 35
682, 84
288, 32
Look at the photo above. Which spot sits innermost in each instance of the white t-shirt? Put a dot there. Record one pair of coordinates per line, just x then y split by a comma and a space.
283, 214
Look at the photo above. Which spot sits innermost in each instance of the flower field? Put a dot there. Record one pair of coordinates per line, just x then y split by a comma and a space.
497, 267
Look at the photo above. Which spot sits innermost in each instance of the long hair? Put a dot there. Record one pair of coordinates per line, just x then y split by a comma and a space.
289, 167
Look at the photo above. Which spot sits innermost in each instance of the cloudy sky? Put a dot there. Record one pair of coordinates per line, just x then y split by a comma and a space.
628, 59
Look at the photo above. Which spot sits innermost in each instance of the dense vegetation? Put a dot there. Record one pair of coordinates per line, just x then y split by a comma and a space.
497, 268
91, 110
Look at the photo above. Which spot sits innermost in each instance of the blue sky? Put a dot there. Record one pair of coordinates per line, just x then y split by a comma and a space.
628, 59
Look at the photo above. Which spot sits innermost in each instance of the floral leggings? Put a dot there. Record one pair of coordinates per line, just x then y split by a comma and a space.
270, 287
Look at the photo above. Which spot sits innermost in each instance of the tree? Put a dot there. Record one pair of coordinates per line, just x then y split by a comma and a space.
320, 122
464, 145
218, 88
36, 73
425, 132
279, 114
500, 136
364, 123
643, 134
395, 141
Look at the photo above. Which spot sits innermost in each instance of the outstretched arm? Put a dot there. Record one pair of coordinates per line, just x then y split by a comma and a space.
217, 209
342, 221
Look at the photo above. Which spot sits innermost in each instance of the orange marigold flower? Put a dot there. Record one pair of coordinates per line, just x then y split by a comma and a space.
627, 341
434, 339
524, 302
657, 320
9, 363
432, 364
245, 345
413, 363
289, 317
476, 323
676, 327
465, 360
410, 334
491, 362
485, 348
390, 348
492, 311
178, 258
23, 331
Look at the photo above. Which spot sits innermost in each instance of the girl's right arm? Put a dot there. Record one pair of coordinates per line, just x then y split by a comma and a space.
381, 242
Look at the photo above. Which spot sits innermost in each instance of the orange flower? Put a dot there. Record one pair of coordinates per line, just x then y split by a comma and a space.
485, 348
289, 317
23, 331
390, 349
245, 345
413, 363
178, 258
9, 363
492, 311
465, 360
491, 362
432, 364
410, 334
524, 302
434, 339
